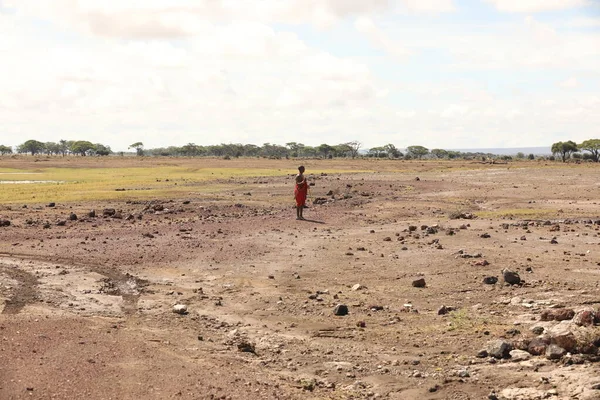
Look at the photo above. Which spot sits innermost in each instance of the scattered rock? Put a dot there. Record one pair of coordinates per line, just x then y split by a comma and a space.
537, 330
511, 277
554, 352
499, 348
4, 222
519, 355
562, 335
537, 347
443, 310
562, 314
584, 318
92, 214
51, 205
358, 286
490, 280
246, 347
340, 310
419, 283
180, 309
61, 222
109, 212
73, 217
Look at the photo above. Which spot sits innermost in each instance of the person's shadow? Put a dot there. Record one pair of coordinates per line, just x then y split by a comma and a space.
313, 221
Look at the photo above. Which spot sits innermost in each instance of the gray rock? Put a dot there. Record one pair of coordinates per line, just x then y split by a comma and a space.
340, 310
490, 280
554, 352
358, 286
511, 277
519, 355
180, 309
499, 348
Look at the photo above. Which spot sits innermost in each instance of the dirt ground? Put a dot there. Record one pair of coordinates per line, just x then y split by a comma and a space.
87, 304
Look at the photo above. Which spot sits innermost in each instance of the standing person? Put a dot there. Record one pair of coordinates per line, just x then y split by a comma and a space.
300, 192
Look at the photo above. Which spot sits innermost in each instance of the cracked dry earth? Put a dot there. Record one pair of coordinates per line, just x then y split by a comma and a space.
87, 307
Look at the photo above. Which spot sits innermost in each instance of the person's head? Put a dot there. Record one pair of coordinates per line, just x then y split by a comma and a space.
301, 169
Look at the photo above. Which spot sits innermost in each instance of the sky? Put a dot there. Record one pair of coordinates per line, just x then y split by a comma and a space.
437, 73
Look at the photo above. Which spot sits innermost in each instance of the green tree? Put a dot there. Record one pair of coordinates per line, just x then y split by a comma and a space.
565, 149
325, 150
295, 149
354, 147
417, 151
377, 152
102, 150
51, 148
593, 146
31, 146
82, 147
63, 147
392, 151
531, 156
520, 155
440, 153
139, 148
190, 150
5, 150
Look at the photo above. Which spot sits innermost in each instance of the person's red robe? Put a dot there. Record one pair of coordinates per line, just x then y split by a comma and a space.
301, 192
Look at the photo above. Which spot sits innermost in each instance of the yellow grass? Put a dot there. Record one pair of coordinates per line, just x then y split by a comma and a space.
71, 184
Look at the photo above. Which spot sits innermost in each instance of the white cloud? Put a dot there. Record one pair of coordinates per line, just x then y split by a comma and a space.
532, 6
569, 83
380, 39
427, 6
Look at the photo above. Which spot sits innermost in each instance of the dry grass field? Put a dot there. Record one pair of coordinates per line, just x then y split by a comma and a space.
88, 284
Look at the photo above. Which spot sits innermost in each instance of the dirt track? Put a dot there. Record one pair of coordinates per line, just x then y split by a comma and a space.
87, 306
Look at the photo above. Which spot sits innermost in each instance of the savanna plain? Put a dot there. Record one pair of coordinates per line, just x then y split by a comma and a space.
148, 278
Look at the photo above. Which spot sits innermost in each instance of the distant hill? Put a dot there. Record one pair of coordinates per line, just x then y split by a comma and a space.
538, 151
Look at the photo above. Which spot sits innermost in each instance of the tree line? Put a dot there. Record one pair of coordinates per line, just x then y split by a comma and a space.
63, 147
563, 150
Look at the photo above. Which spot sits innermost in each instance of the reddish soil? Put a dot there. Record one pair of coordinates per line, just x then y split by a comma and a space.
87, 307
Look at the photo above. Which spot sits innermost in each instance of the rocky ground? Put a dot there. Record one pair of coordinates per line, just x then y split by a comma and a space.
417, 281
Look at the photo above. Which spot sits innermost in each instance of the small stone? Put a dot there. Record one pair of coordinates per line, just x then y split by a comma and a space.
464, 373
92, 214
519, 355
419, 283
537, 347
246, 347
340, 310
358, 286
554, 352
490, 280
537, 330
180, 309
443, 310
51, 205
511, 277
73, 217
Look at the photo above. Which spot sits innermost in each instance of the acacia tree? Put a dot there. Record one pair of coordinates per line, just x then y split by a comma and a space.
354, 146
392, 151
31, 146
82, 147
417, 151
565, 149
5, 150
440, 153
139, 148
593, 146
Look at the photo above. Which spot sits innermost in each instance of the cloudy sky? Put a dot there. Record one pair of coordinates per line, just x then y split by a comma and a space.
438, 73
